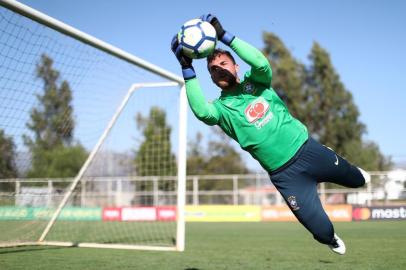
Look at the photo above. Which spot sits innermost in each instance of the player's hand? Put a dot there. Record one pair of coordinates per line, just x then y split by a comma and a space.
177, 50
222, 34
186, 62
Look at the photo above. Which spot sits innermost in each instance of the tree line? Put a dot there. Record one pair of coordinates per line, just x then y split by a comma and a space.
314, 94
52, 148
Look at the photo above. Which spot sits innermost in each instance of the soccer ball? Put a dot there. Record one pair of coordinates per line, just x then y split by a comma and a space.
198, 38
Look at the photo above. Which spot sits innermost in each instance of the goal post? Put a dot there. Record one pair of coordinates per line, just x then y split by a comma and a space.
127, 147
180, 231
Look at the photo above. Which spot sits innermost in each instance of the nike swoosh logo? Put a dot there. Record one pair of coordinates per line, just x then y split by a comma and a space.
336, 163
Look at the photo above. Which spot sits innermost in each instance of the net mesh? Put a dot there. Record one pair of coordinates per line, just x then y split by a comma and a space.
57, 96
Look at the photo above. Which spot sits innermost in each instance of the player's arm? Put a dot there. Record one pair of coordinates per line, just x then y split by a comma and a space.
203, 110
260, 68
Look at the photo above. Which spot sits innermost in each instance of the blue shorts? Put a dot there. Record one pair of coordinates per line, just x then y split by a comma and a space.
297, 182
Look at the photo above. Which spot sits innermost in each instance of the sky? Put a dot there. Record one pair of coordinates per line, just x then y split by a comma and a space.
366, 41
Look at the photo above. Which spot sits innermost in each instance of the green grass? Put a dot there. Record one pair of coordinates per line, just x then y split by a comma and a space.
370, 245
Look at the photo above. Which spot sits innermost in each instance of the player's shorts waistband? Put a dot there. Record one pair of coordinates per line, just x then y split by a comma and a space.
291, 160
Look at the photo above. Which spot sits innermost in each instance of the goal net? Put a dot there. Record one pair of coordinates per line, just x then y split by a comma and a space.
92, 140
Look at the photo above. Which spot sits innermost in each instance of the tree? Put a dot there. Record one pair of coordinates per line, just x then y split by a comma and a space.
53, 150
220, 158
51, 122
334, 115
8, 168
289, 75
154, 156
224, 159
316, 96
196, 158
58, 162
367, 156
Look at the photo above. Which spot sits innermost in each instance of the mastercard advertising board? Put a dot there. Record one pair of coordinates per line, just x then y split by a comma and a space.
379, 213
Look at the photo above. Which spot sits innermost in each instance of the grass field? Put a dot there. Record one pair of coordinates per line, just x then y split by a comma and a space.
370, 245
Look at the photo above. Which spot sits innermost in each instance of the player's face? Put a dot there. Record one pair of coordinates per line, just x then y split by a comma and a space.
223, 72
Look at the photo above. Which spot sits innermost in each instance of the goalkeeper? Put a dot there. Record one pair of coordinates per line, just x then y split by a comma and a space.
250, 112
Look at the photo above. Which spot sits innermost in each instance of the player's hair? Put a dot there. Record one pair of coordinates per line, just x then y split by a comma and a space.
218, 52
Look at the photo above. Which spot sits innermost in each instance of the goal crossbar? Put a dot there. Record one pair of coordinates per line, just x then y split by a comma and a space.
68, 30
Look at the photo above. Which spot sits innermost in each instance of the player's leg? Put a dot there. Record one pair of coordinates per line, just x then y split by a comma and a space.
300, 193
326, 166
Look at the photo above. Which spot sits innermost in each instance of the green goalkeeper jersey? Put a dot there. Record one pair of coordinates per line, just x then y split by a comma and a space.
252, 113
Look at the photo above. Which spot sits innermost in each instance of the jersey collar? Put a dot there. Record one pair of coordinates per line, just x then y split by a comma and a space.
233, 92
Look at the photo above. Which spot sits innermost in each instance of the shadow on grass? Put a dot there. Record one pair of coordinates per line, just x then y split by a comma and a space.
191, 268
324, 261
28, 249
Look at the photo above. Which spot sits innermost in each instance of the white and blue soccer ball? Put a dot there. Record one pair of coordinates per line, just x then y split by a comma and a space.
198, 38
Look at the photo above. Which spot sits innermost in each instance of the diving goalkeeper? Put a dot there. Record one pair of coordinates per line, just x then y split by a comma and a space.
250, 112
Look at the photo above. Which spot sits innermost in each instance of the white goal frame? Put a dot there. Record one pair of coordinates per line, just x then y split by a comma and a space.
174, 80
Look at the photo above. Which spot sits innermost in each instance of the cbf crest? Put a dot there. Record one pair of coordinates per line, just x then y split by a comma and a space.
293, 203
249, 88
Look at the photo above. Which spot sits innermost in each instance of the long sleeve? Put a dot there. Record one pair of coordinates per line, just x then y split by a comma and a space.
202, 109
260, 68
